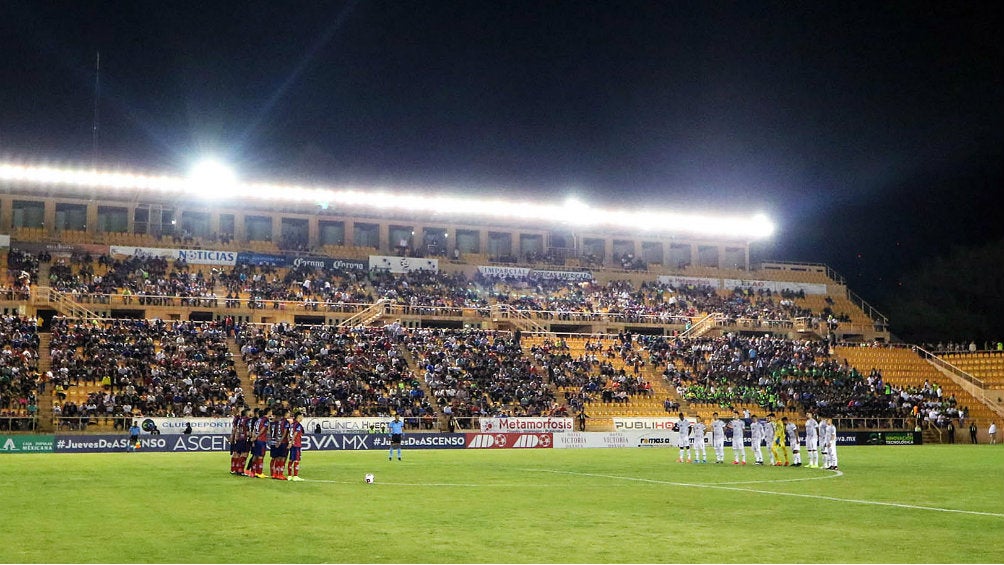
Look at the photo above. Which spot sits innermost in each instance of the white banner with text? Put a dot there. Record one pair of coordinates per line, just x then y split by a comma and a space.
682, 282
637, 438
775, 286
190, 256
516, 425
403, 264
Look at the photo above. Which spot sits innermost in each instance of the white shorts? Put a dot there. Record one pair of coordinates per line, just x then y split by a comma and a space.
811, 443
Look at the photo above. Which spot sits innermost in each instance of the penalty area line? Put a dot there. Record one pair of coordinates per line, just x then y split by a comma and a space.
776, 493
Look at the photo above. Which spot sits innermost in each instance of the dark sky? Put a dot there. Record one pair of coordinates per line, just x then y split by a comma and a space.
869, 128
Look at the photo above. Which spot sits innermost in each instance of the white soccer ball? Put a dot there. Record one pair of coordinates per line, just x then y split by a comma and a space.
369, 477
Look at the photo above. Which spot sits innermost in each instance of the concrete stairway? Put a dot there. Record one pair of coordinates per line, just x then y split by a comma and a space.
247, 385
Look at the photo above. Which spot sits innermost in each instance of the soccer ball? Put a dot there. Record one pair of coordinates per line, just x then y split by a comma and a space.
369, 477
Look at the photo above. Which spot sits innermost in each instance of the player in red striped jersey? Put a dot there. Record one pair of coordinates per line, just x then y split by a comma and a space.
296, 432
239, 445
279, 440
259, 433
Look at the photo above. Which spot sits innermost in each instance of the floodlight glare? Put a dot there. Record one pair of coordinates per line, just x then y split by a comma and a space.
210, 178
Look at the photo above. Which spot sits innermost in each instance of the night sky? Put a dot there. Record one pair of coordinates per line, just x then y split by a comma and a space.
871, 132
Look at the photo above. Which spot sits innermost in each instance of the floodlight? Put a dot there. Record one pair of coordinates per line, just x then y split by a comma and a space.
210, 178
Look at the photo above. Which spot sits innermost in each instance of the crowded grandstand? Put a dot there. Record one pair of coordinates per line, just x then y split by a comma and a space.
122, 304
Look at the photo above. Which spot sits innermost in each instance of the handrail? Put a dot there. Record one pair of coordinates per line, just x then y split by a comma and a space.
70, 307
872, 313
518, 317
367, 315
701, 327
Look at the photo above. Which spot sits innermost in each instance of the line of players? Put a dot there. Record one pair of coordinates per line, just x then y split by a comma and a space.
254, 431
819, 436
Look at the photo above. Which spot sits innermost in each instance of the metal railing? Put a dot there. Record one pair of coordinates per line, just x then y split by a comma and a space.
367, 315
876, 316
75, 304
875, 423
84, 423
520, 318
18, 423
700, 327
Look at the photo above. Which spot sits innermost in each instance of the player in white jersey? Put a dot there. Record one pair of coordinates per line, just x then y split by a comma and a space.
811, 440
718, 438
698, 429
768, 435
683, 426
738, 427
831, 435
824, 442
756, 435
791, 430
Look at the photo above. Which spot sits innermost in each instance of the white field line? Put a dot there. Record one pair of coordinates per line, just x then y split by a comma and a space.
405, 484
792, 494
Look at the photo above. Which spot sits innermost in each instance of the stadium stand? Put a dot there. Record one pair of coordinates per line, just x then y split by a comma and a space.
327, 371
19, 377
903, 367
474, 373
988, 366
606, 324
105, 371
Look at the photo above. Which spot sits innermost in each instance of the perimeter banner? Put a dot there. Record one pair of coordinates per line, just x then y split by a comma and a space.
403, 264
775, 286
260, 259
510, 441
191, 256
169, 426
328, 263
503, 271
220, 442
889, 438
646, 424
60, 249
680, 281
575, 440
517, 425
178, 425
562, 275
26, 444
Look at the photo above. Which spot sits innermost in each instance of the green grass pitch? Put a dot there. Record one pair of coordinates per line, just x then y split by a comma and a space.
891, 504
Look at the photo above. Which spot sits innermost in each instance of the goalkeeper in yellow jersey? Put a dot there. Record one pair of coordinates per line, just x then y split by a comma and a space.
777, 447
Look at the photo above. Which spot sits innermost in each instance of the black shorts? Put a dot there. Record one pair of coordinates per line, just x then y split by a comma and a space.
395, 439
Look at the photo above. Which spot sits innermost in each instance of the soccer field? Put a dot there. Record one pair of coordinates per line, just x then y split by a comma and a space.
887, 504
